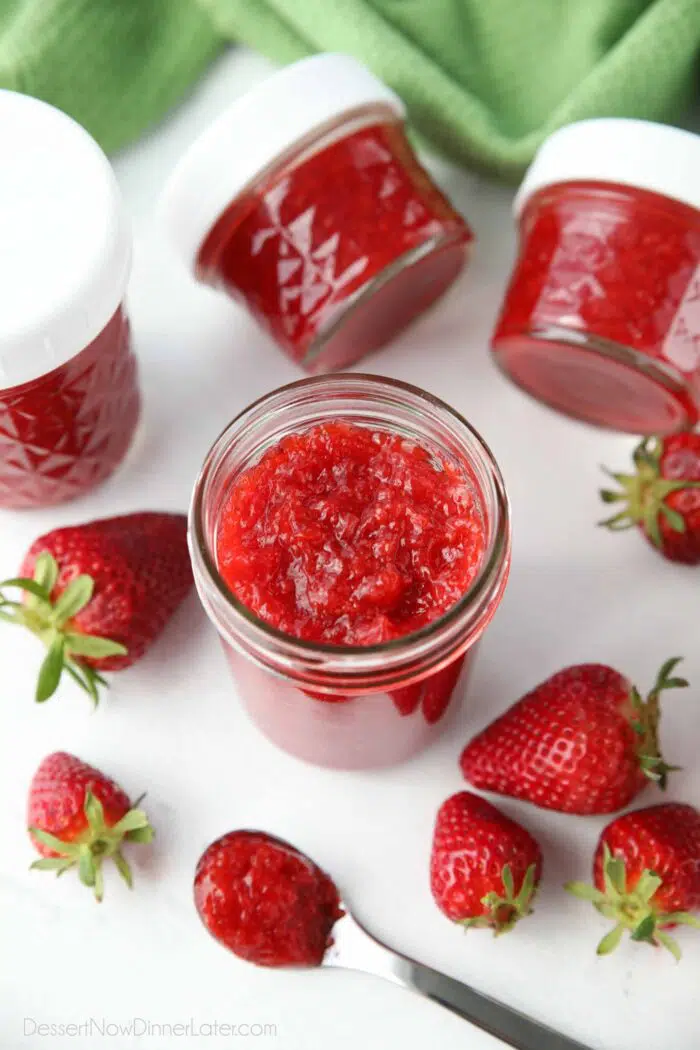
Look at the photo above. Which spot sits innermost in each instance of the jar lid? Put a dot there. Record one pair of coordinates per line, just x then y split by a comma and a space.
65, 243
637, 153
249, 135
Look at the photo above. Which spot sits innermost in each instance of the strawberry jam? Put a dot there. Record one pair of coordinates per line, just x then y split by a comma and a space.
602, 316
266, 902
69, 400
305, 202
312, 252
349, 535
67, 431
350, 541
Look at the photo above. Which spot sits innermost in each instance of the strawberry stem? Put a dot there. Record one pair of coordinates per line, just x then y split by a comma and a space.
644, 494
100, 843
645, 722
52, 621
632, 909
504, 911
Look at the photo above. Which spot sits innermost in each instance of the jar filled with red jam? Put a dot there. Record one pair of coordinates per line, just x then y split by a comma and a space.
602, 316
305, 202
350, 540
69, 401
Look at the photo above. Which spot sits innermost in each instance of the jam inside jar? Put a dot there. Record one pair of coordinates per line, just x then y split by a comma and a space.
341, 248
349, 607
68, 430
601, 319
69, 399
305, 202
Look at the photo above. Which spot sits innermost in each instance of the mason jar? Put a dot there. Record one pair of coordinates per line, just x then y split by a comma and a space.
350, 707
305, 202
69, 396
601, 319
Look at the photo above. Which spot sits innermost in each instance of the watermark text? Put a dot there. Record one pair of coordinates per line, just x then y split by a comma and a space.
143, 1027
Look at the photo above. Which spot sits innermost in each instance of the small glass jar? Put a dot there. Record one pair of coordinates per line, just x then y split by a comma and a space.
341, 706
305, 202
602, 316
69, 401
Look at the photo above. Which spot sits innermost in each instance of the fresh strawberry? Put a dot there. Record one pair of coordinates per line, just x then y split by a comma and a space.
98, 595
264, 901
584, 741
662, 497
484, 868
78, 817
646, 875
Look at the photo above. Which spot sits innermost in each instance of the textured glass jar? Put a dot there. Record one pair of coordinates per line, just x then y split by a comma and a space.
68, 397
306, 202
349, 707
602, 316
69, 401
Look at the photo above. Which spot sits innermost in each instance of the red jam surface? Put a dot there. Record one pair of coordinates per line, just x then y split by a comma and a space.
265, 901
348, 535
65, 432
602, 315
319, 237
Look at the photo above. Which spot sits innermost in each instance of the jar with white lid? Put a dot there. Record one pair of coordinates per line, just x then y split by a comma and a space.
305, 202
602, 316
69, 401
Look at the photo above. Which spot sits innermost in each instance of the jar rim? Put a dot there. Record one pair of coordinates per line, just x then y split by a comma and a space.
303, 98
640, 154
443, 638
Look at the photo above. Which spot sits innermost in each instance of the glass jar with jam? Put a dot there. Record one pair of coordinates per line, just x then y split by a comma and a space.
305, 202
602, 316
69, 401
350, 539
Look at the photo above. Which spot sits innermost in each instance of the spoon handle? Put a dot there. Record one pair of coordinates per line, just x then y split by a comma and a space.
357, 949
511, 1027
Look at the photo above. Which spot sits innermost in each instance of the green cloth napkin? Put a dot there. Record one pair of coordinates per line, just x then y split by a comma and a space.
485, 80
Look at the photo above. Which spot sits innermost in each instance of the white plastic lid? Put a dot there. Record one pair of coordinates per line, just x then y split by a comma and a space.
249, 135
65, 245
635, 153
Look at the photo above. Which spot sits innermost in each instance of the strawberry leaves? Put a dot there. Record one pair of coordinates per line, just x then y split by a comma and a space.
102, 842
642, 496
46, 572
633, 909
645, 723
51, 618
506, 909
51, 669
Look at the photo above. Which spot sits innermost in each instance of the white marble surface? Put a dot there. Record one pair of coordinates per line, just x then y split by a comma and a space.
172, 726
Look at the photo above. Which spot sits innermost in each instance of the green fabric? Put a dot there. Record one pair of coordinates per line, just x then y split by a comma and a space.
484, 80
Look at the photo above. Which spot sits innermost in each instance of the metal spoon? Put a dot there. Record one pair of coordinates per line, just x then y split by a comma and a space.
354, 948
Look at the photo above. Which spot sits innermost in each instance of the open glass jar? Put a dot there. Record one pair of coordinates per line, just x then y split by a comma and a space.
601, 319
69, 400
350, 706
306, 202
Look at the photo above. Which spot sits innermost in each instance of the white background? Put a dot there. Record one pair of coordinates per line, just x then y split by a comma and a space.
173, 726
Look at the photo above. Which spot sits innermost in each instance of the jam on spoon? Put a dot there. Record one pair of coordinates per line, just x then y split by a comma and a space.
265, 901
272, 905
